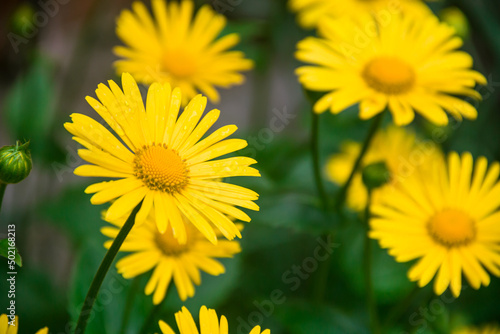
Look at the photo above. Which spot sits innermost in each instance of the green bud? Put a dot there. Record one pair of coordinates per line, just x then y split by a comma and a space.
455, 18
376, 175
15, 163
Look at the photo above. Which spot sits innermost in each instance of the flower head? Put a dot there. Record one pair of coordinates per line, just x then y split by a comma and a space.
209, 323
10, 327
159, 159
169, 260
449, 219
180, 49
401, 151
406, 64
311, 12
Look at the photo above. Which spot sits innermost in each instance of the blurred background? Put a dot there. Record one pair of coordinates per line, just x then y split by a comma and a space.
53, 53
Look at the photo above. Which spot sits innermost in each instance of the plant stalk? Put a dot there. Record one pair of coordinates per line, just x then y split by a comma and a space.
102, 271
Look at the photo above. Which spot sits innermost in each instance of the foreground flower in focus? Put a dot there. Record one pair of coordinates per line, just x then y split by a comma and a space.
6, 328
169, 259
311, 12
176, 48
209, 323
407, 64
401, 151
449, 219
163, 162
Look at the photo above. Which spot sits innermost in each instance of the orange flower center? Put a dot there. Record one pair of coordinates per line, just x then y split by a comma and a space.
179, 64
169, 245
389, 75
161, 169
452, 228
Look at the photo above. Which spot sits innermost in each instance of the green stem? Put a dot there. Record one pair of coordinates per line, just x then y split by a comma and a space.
367, 262
340, 199
316, 164
2, 192
102, 271
151, 318
321, 279
129, 304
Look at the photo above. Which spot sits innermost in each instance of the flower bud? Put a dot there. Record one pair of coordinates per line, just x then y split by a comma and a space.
376, 175
456, 18
15, 163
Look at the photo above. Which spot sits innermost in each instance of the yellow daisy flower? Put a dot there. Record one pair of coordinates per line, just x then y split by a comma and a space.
401, 150
6, 328
406, 64
311, 12
209, 323
168, 258
180, 49
160, 160
488, 329
449, 219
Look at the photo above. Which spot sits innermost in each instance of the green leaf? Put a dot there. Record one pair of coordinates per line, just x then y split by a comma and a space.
30, 108
4, 251
305, 318
390, 281
73, 213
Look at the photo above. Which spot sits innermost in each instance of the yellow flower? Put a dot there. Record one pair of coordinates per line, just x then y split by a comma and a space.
209, 323
169, 259
449, 219
311, 12
488, 329
180, 49
407, 64
6, 328
401, 150
160, 160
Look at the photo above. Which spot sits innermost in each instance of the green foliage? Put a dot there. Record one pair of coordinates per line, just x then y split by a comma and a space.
4, 251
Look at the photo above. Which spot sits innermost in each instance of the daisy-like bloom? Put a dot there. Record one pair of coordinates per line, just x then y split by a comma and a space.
160, 160
449, 219
406, 64
311, 12
6, 328
401, 151
488, 329
180, 49
209, 323
162, 253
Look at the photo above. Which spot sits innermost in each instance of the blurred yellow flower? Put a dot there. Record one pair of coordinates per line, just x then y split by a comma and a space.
488, 329
162, 160
209, 323
406, 64
401, 150
169, 259
449, 219
180, 49
311, 12
6, 328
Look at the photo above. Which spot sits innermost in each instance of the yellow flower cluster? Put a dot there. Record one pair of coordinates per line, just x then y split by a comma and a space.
443, 212
169, 177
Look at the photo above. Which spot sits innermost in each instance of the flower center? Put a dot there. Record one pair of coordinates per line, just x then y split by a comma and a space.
452, 228
179, 64
169, 245
389, 75
161, 169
